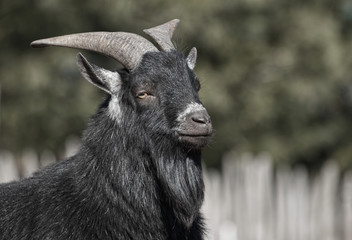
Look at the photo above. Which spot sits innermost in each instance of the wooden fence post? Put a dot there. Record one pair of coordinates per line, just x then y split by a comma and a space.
347, 206
30, 162
8, 169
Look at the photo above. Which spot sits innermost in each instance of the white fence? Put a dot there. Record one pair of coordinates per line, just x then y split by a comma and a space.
12, 168
250, 200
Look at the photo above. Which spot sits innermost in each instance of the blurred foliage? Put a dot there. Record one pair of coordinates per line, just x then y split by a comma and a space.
276, 74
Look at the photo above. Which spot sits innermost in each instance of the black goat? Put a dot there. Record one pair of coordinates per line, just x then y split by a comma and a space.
138, 172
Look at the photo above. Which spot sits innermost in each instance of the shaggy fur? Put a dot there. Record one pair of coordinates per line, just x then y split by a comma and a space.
133, 177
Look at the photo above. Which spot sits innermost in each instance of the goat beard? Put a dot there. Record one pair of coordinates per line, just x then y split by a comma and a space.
180, 176
179, 173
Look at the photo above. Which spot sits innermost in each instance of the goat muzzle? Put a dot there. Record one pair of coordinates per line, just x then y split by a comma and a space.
196, 129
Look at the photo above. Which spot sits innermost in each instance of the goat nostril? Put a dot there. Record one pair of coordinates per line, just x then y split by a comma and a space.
200, 118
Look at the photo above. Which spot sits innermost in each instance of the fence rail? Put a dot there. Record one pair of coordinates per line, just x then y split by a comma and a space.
250, 200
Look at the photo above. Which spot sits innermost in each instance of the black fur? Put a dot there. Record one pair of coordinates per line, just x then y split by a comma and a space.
131, 179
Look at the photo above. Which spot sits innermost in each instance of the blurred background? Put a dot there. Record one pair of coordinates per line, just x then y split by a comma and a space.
276, 79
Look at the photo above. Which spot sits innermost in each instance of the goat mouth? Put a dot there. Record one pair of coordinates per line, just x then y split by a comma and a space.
196, 140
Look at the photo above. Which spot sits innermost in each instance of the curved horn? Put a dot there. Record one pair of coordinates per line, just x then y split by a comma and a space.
126, 48
162, 34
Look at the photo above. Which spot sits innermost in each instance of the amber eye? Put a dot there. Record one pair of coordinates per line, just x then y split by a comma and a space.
142, 95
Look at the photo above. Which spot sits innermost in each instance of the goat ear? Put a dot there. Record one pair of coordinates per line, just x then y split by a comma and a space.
104, 79
192, 58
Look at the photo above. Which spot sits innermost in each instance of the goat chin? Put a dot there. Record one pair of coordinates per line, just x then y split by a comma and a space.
194, 142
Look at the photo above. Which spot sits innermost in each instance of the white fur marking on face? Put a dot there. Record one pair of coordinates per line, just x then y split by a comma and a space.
114, 109
192, 107
114, 81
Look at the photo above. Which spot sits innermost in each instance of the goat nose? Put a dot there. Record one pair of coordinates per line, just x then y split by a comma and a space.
201, 117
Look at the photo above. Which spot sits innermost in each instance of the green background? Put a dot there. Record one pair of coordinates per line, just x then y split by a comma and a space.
276, 75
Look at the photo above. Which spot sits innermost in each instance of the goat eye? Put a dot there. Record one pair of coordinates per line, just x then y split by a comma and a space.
198, 87
142, 95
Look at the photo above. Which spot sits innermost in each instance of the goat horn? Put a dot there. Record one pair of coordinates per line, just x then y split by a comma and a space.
162, 34
126, 48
